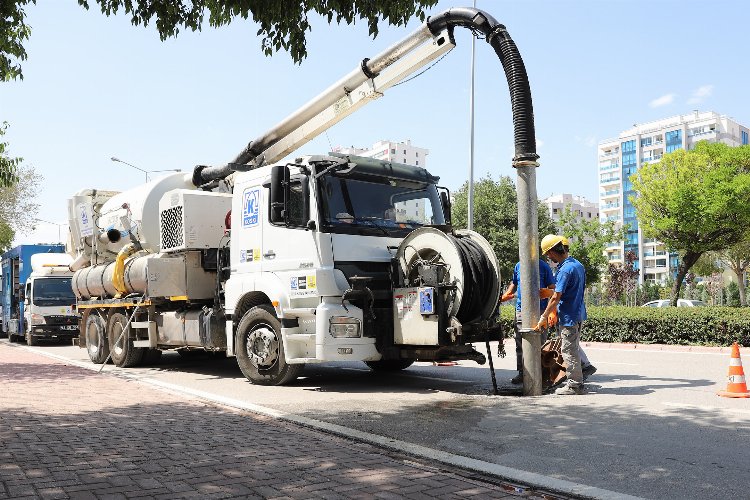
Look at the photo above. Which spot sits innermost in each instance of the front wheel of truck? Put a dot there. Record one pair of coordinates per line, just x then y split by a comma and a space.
97, 344
121, 345
260, 351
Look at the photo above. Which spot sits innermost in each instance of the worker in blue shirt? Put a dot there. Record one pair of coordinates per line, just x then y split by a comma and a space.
546, 281
571, 309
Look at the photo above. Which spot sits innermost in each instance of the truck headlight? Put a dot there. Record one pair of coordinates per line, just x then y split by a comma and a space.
37, 319
344, 327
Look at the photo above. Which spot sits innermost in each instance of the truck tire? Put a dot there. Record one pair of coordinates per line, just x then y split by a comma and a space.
260, 351
95, 334
30, 340
123, 353
389, 365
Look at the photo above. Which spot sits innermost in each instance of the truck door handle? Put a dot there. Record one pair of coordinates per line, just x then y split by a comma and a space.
269, 254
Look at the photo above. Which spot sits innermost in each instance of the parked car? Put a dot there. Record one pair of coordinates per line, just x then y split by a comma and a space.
680, 303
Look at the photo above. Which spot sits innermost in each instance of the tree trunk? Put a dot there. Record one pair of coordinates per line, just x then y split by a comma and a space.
686, 263
741, 286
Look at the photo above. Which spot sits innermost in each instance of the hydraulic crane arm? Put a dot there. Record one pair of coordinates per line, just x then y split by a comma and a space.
373, 76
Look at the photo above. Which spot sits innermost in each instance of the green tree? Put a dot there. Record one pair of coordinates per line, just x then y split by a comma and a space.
18, 205
283, 23
496, 217
737, 259
588, 239
8, 164
695, 201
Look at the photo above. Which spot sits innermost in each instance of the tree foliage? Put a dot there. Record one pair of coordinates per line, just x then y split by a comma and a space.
8, 164
496, 217
18, 205
284, 24
737, 259
695, 201
623, 279
588, 239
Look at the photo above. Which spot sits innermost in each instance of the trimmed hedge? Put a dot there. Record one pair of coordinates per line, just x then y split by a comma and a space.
665, 325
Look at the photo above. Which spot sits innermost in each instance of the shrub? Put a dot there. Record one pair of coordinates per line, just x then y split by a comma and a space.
664, 325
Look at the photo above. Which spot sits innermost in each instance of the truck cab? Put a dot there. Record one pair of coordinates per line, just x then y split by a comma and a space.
49, 303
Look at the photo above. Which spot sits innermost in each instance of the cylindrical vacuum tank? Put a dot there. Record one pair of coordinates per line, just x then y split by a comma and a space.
143, 218
96, 281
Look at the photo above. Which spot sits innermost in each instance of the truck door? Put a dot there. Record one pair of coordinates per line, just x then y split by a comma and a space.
289, 248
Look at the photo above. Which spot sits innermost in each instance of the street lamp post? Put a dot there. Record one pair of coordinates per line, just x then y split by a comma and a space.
59, 237
145, 171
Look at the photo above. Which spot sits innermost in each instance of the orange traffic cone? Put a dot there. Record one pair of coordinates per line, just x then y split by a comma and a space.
736, 386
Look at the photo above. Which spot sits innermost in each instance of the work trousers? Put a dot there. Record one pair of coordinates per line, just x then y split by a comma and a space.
519, 341
571, 347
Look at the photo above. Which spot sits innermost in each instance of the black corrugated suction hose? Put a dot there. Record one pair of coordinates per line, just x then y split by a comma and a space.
478, 279
515, 71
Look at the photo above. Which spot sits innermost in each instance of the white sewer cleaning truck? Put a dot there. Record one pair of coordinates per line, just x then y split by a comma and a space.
321, 258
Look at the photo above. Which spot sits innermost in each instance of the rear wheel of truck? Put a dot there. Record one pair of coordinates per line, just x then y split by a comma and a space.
260, 351
97, 344
121, 345
30, 340
389, 365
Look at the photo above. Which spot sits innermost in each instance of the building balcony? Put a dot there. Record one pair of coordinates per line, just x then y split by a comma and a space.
610, 218
609, 166
609, 180
611, 154
610, 206
610, 193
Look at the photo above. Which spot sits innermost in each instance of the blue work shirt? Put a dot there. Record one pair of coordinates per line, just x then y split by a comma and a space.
571, 281
546, 278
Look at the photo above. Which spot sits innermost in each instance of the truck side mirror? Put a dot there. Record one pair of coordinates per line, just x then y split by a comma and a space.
445, 200
279, 187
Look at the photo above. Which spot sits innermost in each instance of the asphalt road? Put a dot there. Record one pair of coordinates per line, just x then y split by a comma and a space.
650, 424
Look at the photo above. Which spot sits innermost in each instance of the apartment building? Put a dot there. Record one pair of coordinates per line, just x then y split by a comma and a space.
581, 207
620, 157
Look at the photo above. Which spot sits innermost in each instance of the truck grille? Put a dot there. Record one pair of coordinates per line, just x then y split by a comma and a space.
171, 228
61, 320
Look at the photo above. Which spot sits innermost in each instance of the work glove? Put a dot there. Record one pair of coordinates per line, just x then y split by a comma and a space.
542, 323
552, 320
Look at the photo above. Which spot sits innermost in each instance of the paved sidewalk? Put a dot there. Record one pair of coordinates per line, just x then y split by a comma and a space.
66, 432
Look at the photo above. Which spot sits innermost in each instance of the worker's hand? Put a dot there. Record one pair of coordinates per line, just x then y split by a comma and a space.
552, 320
545, 293
542, 323
507, 296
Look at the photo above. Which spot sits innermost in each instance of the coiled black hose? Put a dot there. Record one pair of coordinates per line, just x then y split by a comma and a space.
479, 275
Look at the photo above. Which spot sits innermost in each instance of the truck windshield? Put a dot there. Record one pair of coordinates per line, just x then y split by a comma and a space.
377, 206
53, 292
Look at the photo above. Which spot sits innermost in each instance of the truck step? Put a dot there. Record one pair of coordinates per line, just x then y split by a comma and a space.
141, 324
300, 337
141, 343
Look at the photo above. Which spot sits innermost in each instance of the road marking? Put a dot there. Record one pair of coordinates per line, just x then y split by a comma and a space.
642, 348
705, 408
488, 468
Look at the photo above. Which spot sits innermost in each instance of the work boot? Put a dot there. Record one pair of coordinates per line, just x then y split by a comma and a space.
569, 389
587, 371
518, 379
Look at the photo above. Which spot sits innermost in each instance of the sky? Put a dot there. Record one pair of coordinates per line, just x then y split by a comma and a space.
95, 87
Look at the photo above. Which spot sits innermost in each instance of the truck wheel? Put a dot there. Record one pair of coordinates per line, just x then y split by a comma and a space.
260, 351
389, 365
97, 343
123, 352
30, 340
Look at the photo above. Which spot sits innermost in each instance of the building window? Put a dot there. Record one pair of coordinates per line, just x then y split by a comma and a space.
646, 142
744, 137
674, 140
554, 210
417, 162
404, 151
393, 151
417, 153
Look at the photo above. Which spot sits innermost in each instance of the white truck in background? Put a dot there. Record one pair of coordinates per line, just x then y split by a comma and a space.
49, 304
322, 258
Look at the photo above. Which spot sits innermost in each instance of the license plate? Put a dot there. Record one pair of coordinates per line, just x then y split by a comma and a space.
70, 327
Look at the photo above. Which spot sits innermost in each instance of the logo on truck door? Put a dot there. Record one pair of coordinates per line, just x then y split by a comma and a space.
250, 207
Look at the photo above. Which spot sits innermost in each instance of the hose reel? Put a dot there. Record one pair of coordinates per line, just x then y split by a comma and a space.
462, 263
